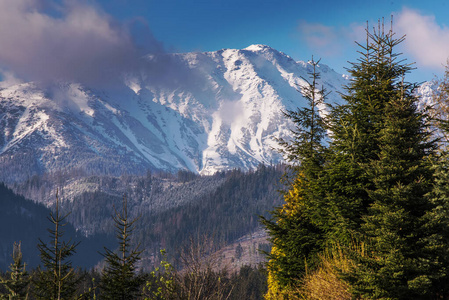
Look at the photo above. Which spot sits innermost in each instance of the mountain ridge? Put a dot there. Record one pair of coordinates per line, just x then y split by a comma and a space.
204, 112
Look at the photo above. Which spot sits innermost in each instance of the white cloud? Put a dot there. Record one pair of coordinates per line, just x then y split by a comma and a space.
71, 41
426, 41
330, 40
8, 79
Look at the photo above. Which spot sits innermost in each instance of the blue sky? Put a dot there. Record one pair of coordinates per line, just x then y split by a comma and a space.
322, 28
71, 39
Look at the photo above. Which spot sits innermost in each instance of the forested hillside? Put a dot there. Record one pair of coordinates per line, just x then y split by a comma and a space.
226, 214
172, 209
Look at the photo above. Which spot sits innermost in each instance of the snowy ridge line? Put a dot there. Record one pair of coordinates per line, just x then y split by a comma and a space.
222, 113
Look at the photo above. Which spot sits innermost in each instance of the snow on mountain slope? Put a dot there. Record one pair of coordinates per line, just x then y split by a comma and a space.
209, 112
239, 105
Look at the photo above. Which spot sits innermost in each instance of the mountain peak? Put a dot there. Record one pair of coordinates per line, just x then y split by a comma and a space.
258, 47
209, 112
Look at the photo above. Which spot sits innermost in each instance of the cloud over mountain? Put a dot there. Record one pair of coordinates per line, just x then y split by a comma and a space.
330, 40
230, 121
43, 40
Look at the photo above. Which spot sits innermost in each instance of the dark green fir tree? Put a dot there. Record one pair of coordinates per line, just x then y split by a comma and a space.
355, 129
119, 279
304, 149
294, 234
56, 279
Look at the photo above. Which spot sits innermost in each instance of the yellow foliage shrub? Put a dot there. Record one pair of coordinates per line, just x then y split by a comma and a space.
325, 282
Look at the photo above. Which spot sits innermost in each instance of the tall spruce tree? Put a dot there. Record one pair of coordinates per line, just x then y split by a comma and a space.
57, 279
380, 179
356, 127
304, 149
119, 279
295, 237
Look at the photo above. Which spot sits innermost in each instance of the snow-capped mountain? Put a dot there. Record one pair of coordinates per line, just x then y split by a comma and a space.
208, 112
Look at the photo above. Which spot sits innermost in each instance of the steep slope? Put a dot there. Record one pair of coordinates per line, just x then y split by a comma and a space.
206, 112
